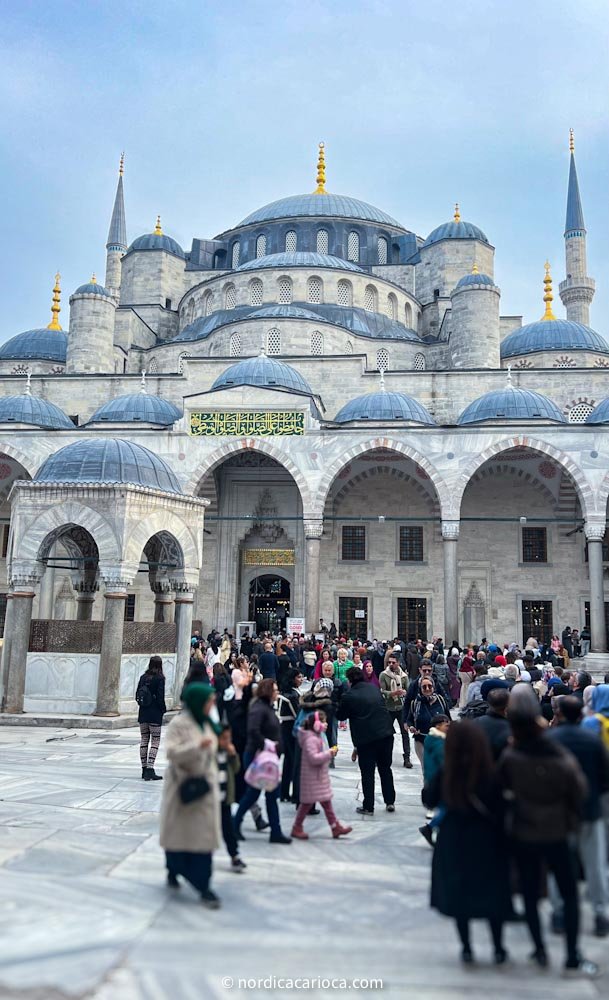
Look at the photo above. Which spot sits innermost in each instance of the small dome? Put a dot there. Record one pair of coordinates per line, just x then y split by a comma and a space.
511, 404
36, 345
27, 409
455, 231
337, 205
92, 288
475, 279
600, 414
313, 260
108, 461
384, 406
156, 241
552, 335
263, 371
137, 407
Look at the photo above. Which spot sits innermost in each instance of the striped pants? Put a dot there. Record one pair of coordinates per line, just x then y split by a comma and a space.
149, 734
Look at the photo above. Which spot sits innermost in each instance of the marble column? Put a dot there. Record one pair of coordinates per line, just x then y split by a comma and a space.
450, 541
184, 600
84, 606
46, 600
313, 531
108, 682
162, 606
21, 620
595, 533
6, 646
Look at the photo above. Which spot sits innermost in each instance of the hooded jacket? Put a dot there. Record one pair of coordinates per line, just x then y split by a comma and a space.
600, 707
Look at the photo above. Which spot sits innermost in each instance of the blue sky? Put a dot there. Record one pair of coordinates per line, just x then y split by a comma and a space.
219, 107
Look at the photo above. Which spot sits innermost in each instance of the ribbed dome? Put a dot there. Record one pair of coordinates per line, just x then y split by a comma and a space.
553, 335
314, 260
92, 288
475, 279
337, 205
154, 241
600, 414
455, 231
262, 371
511, 404
27, 409
384, 406
36, 345
108, 461
137, 407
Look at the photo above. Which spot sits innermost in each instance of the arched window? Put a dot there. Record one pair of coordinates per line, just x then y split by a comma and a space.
255, 292
382, 360
579, 412
563, 361
370, 298
207, 303
273, 341
344, 293
261, 246
353, 247
290, 241
317, 342
235, 345
153, 366
349, 347
230, 297
181, 360
236, 255
315, 290
191, 311
381, 250
419, 363
408, 315
322, 241
285, 291
392, 306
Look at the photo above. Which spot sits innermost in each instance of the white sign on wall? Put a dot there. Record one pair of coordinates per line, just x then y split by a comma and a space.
359, 613
295, 625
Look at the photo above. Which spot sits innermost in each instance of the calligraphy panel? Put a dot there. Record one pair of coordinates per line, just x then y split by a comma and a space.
246, 423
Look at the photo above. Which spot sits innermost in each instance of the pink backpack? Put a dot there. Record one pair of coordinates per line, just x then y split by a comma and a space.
263, 772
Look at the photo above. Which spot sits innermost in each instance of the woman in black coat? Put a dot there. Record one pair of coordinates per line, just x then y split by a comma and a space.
470, 871
150, 696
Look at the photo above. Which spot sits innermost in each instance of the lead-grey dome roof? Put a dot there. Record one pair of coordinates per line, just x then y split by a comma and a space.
511, 403
263, 371
109, 461
36, 345
338, 205
384, 406
27, 409
552, 335
134, 407
299, 259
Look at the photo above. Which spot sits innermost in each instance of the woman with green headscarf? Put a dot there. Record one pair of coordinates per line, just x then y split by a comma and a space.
190, 831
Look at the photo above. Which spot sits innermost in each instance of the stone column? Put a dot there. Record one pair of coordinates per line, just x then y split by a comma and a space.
162, 605
108, 682
450, 541
184, 600
46, 600
313, 531
85, 599
595, 533
21, 620
6, 646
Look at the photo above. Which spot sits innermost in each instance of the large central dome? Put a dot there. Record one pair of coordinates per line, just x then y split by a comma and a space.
337, 205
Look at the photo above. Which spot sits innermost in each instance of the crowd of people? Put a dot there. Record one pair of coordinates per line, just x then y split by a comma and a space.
513, 744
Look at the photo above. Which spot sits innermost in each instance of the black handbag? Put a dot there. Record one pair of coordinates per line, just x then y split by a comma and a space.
193, 789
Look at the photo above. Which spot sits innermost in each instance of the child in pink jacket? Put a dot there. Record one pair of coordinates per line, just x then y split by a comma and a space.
315, 785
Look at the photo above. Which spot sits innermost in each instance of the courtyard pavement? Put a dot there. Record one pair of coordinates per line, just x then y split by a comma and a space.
84, 911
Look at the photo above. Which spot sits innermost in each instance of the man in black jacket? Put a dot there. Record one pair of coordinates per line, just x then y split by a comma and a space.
495, 723
372, 735
268, 663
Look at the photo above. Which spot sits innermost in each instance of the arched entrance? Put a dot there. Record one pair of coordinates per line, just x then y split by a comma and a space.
269, 602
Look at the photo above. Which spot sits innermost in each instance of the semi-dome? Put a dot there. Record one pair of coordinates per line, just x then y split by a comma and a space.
511, 403
36, 345
92, 288
384, 406
263, 371
313, 260
108, 461
600, 414
337, 205
28, 409
552, 335
475, 279
137, 407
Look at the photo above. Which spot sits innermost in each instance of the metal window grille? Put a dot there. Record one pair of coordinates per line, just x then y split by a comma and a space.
261, 246
285, 291
353, 247
381, 249
207, 304
412, 618
537, 620
290, 241
354, 542
130, 608
351, 621
408, 315
392, 306
411, 543
235, 345
579, 412
256, 292
273, 341
236, 254
322, 241
230, 297
370, 298
317, 342
314, 290
2, 613
419, 363
343, 293
382, 360
534, 545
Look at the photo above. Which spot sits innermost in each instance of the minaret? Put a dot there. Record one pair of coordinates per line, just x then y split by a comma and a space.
117, 237
577, 290
321, 170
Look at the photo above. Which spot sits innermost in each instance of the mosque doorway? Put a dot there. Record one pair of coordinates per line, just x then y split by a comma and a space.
269, 602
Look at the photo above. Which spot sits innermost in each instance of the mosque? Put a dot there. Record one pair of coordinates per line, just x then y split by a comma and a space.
317, 412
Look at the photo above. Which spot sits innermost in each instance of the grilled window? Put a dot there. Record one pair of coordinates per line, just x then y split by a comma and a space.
534, 545
411, 543
354, 542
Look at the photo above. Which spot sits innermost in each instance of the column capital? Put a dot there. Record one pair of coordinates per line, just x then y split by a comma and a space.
450, 530
313, 527
595, 530
117, 578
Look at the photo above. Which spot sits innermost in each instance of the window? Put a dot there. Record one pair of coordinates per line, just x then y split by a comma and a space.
290, 241
182, 358
322, 241
579, 412
537, 621
5, 533
353, 247
317, 342
256, 292
381, 250
344, 293
261, 246
235, 345
564, 362
190, 311
130, 608
230, 297
349, 347
273, 341
207, 303
408, 315
2, 613
314, 290
412, 618
285, 291
354, 542
353, 617
153, 366
419, 363
236, 255
382, 360
168, 303
392, 306
534, 545
370, 298
411, 543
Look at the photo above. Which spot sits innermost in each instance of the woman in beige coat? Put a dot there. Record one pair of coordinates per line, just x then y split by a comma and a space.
191, 832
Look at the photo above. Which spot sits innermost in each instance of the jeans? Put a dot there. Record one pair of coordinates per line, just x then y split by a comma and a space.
397, 717
370, 756
585, 646
228, 830
591, 842
251, 796
558, 856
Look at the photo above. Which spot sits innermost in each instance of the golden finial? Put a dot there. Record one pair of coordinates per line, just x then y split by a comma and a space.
157, 229
55, 308
475, 269
457, 215
321, 170
571, 141
121, 166
547, 293
93, 279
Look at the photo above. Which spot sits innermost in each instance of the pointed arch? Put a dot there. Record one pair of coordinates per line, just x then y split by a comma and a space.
30, 542
29, 464
167, 522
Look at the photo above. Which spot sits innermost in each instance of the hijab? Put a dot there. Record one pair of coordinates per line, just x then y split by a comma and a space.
372, 678
195, 697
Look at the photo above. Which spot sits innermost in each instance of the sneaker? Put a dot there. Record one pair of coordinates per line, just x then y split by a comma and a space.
557, 923
237, 865
390, 807
601, 925
364, 812
210, 900
172, 881
279, 838
583, 970
427, 832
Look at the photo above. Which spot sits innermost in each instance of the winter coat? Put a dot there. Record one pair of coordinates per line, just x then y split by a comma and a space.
262, 724
433, 754
593, 759
454, 684
390, 681
369, 720
154, 712
413, 661
340, 669
268, 664
422, 713
315, 785
194, 827
497, 729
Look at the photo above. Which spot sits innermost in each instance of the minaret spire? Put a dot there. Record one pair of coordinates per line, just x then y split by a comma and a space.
577, 291
56, 308
116, 244
547, 293
321, 170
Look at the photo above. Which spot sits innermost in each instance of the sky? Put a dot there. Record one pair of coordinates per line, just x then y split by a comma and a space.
220, 106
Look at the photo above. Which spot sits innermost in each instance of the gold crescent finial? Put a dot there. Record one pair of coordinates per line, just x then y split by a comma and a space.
475, 269
157, 229
93, 279
321, 170
55, 307
571, 141
457, 215
121, 166
547, 293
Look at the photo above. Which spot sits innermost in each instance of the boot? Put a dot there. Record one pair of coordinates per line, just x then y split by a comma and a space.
298, 833
152, 775
144, 769
279, 838
340, 831
407, 761
261, 823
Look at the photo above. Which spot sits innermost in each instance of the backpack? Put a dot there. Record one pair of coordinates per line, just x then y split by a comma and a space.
143, 696
474, 710
603, 722
263, 772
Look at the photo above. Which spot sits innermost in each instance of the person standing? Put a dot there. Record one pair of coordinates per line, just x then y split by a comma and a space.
341, 664
372, 737
268, 663
495, 724
228, 766
150, 696
287, 710
584, 640
393, 683
466, 676
423, 711
567, 641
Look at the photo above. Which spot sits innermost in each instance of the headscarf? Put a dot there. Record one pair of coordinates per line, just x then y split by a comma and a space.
370, 678
195, 697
